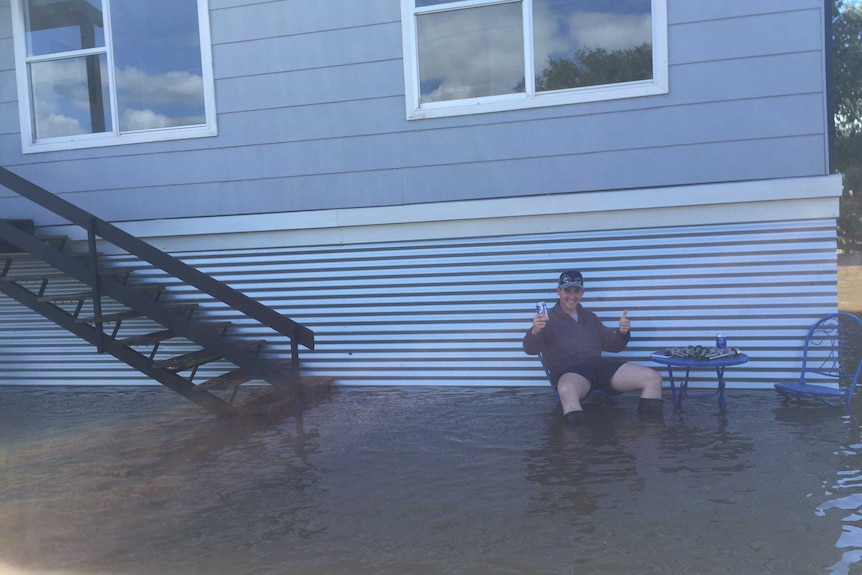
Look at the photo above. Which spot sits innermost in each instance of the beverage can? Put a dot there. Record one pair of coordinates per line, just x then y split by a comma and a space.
541, 308
720, 341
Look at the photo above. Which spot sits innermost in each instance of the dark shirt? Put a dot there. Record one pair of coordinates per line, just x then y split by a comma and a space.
565, 342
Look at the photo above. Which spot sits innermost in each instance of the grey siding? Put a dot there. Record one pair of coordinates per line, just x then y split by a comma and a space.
9, 130
311, 116
453, 312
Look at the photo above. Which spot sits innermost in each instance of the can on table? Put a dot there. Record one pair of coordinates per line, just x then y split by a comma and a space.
541, 308
720, 341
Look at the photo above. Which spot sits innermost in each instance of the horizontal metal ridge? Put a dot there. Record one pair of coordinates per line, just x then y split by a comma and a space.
453, 312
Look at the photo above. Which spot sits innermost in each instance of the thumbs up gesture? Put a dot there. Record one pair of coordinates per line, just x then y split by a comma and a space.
625, 322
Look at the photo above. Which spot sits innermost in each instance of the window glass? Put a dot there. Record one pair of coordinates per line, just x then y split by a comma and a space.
157, 61
475, 56
103, 72
581, 43
470, 53
62, 26
70, 96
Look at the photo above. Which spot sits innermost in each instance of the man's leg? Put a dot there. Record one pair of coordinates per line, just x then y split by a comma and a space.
634, 377
572, 388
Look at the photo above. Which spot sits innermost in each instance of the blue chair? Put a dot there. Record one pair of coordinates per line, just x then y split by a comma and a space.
832, 351
593, 394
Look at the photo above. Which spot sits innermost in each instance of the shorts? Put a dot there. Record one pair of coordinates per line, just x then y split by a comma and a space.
597, 371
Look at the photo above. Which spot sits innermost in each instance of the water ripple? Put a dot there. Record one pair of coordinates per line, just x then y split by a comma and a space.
425, 480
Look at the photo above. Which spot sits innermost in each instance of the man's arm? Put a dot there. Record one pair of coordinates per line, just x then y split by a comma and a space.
625, 322
534, 340
614, 340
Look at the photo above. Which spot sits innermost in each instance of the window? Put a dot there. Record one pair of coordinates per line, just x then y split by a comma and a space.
473, 56
103, 72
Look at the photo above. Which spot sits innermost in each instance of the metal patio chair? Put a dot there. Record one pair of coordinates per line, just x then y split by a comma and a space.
831, 354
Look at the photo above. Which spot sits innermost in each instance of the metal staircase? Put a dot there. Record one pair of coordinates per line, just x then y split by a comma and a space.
134, 319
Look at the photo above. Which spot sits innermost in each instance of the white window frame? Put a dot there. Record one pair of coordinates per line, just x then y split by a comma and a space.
505, 102
30, 145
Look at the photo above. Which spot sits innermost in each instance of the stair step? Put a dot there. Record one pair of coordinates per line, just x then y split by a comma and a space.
53, 238
148, 338
162, 335
187, 360
113, 272
131, 314
119, 316
219, 325
20, 254
78, 296
33, 277
199, 357
116, 271
57, 274
229, 379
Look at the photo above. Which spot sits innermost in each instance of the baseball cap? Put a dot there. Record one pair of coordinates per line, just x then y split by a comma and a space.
570, 279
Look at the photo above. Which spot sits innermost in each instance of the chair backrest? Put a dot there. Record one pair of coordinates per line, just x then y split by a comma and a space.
548, 374
833, 349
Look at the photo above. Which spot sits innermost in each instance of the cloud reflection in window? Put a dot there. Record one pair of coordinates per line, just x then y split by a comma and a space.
479, 51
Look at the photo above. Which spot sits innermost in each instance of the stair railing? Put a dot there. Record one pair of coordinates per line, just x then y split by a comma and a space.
98, 228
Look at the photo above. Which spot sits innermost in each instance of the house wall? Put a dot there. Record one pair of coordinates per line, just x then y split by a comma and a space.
416, 250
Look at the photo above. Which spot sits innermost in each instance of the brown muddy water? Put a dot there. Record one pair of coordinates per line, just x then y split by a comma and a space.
425, 481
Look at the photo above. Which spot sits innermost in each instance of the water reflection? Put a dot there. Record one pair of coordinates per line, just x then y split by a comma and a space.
843, 490
574, 464
168, 485
707, 449
378, 481
835, 430
667, 489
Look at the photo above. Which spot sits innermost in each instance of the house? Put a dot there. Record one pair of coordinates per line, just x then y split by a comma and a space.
407, 178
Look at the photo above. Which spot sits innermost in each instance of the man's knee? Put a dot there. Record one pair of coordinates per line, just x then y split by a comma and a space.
635, 377
653, 379
574, 384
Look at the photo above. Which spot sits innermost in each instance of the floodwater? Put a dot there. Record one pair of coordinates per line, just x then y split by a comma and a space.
425, 481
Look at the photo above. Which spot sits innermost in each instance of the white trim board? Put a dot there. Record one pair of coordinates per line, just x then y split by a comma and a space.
752, 201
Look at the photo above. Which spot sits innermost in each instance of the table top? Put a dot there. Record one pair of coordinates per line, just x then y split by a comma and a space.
674, 361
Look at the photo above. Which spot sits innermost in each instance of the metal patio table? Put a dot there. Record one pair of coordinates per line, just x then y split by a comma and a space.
718, 364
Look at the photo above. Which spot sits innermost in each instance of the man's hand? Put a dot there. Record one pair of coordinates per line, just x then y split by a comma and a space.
540, 320
625, 322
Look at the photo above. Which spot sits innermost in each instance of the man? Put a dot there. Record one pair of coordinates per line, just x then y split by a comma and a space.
571, 340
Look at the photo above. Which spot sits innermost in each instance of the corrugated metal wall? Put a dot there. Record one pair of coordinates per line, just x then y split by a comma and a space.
453, 312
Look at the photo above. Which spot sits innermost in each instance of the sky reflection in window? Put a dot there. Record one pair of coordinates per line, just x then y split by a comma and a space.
477, 52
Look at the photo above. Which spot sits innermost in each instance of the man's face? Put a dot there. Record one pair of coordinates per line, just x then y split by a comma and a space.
570, 298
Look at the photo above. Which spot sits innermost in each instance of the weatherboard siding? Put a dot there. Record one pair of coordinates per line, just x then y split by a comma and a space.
311, 117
